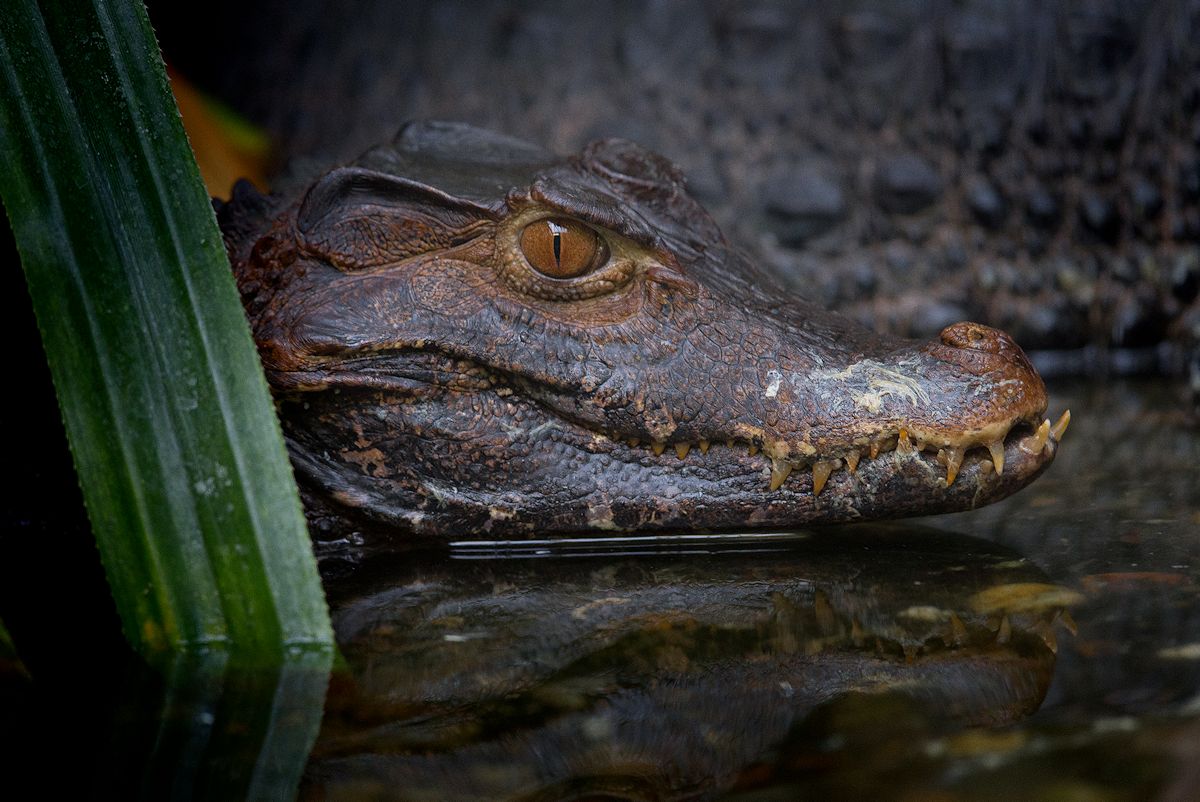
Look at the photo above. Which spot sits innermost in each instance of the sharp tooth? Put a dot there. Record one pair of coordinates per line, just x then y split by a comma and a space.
952, 457
779, 471
729, 443
958, 631
903, 444
1004, 633
633, 441
852, 461
910, 652
1038, 441
821, 470
658, 447
1046, 631
682, 449
997, 450
704, 444
1067, 621
1060, 426
856, 631
874, 450
753, 449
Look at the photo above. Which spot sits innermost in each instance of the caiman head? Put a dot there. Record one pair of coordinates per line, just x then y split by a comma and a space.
468, 337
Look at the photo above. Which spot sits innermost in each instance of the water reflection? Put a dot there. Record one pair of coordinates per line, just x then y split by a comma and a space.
203, 727
581, 672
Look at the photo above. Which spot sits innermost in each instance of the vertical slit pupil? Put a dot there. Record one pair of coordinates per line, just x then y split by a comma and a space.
557, 231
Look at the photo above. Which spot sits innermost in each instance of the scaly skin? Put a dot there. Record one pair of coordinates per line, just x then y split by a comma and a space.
431, 380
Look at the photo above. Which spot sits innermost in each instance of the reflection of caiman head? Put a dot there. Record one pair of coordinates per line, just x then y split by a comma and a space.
468, 333
662, 676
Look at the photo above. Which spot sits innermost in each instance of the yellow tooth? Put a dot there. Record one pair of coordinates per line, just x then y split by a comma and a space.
874, 450
821, 470
856, 631
1060, 426
1039, 439
682, 449
958, 630
780, 469
658, 447
852, 461
997, 450
729, 443
1046, 631
903, 444
1004, 633
953, 458
1067, 621
633, 441
704, 444
753, 449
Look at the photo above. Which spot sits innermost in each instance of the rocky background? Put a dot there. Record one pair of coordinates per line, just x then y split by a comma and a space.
1033, 165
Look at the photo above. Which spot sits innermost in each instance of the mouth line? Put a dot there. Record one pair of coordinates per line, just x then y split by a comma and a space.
991, 447
987, 445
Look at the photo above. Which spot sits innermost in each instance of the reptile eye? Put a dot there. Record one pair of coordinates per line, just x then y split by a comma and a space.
561, 248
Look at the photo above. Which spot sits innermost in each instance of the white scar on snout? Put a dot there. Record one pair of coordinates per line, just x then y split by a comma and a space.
869, 382
774, 379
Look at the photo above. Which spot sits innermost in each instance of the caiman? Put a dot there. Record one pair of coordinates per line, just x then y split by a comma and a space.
469, 336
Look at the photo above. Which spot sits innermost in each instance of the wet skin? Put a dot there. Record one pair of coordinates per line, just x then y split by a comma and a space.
466, 334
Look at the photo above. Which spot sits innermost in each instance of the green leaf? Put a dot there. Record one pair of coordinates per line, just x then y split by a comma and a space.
170, 422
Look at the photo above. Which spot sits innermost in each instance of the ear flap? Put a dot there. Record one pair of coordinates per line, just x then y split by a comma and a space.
357, 218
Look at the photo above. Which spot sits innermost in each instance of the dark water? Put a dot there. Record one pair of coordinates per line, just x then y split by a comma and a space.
1044, 648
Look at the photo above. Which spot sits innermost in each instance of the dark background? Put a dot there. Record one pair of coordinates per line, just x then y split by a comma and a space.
1032, 165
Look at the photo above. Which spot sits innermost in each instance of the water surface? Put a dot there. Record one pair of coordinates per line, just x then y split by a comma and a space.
1046, 647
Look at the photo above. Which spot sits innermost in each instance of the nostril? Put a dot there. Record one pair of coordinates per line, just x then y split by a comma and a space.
976, 337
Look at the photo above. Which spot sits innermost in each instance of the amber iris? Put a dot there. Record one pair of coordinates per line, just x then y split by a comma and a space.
561, 248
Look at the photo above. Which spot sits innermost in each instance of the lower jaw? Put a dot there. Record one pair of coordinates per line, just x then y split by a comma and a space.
905, 483
895, 484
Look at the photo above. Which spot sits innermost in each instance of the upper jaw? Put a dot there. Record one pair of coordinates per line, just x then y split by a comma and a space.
950, 403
